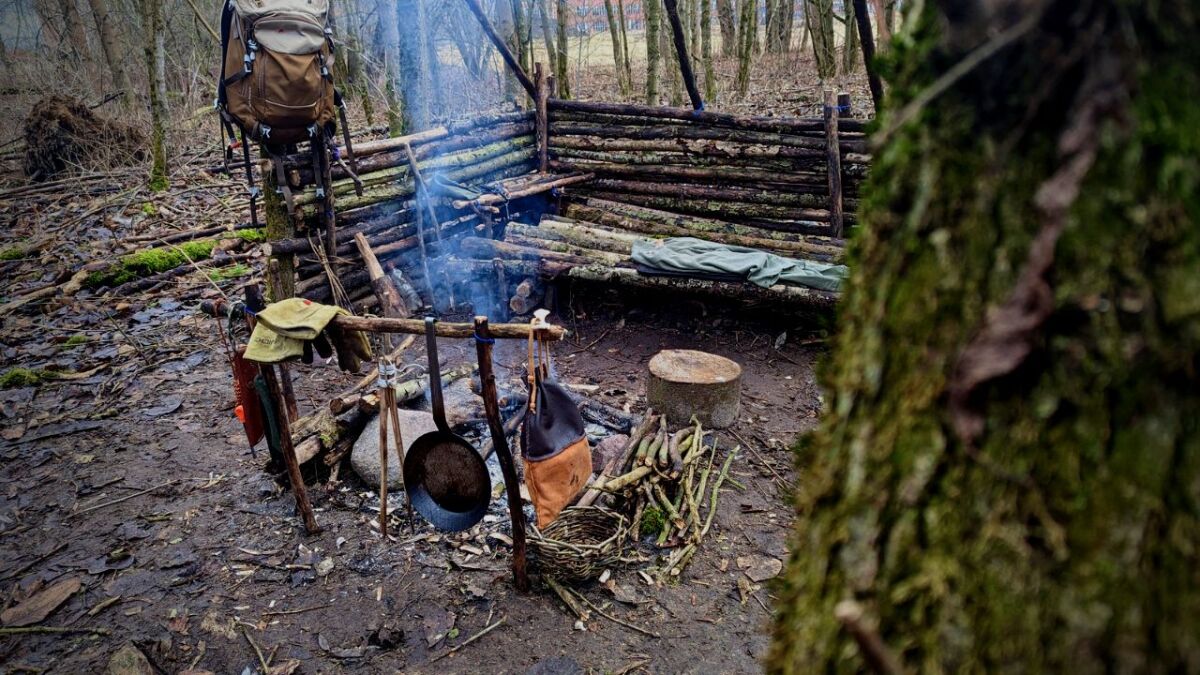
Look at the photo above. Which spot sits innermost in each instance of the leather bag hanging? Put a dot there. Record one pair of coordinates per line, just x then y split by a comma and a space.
558, 460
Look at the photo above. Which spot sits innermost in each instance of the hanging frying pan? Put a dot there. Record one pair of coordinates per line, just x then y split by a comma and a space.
447, 480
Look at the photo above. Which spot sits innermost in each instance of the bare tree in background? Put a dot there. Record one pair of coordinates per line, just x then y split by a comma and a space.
850, 42
653, 10
112, 50
748, 34
154, 49
563, 15
413, 66
75, 32
706, 55
727, 19
618, 48
819, 16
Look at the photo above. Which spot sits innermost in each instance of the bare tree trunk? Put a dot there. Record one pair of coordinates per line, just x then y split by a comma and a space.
547, 36
727, 19
617, 48
390, 48
706, 55
653, 10
413, 66
155, 60
74, 30
883, 32
819, 15
850, 44
748, 32
561, 75
112, 50
672, 78
625, 44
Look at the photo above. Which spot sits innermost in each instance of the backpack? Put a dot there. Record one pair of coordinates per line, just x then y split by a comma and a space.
276, 87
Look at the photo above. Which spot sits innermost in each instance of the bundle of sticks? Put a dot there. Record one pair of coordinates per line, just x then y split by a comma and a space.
668, 475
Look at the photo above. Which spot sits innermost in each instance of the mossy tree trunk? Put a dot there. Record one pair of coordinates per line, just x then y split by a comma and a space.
154, 51
1007, 478
819, 17
561, 74
727, 19
653, 9
413, 68
747, 37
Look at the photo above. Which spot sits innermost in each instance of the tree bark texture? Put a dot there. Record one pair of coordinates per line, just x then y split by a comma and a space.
112, 49
1007, 474
155, 59
727, 20
819, 16
562, 72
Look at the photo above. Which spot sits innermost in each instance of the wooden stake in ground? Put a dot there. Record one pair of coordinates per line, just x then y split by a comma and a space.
512, 487
834, 160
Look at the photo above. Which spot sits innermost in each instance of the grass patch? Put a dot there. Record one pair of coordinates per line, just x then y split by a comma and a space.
75, 341
257, 236
653, 521
151, 261
226, 273
22, 377
12, 253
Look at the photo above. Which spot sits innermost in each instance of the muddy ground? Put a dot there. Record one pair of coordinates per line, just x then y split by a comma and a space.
136, 480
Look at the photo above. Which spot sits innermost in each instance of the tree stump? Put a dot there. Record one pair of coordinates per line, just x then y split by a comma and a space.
685, 382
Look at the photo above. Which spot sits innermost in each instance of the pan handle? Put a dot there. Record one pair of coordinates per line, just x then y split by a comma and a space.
435, 375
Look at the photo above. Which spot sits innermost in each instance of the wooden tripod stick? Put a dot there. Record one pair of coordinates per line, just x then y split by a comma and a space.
512, 487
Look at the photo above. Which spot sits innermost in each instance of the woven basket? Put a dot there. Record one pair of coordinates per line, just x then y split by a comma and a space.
580, 543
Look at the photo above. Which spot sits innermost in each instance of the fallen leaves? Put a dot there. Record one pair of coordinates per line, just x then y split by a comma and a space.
40, 605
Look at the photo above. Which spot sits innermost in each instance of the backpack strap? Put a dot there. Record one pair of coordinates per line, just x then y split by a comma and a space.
280, 178
254, 190
352, 170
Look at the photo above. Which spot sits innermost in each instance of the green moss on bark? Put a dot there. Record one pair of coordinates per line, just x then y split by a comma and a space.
1066, 537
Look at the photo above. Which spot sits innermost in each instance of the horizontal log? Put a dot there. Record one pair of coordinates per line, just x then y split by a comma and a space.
505, 331
745, 292
733, 193
427, 151
583, 235
728, 210
547, 246
591, 127
698, 117
513, 163
811, 168
526, 190
459, 160
488, 249
664, 224
710, 175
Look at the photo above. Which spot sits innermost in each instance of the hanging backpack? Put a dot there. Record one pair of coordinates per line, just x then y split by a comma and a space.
276, 87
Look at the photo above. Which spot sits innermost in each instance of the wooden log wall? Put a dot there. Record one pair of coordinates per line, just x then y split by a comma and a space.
768, 173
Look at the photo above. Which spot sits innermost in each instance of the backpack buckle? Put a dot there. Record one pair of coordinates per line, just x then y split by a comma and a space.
313, 130
255, 192
264, 131
251, 45
320, 193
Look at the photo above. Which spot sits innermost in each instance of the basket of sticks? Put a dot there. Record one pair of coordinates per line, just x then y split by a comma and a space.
580, 543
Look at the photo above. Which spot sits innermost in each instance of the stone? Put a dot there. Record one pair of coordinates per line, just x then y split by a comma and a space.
461, 403
607, 450
365, 455
129, 660
686, 382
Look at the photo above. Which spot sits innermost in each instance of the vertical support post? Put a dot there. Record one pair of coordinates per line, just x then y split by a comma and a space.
541, 114
833, 153
867, 41
254, 301
685, 63
285, 377
512, 488
281, 276
845, 109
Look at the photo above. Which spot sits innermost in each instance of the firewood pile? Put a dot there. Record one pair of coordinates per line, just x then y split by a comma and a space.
663, 488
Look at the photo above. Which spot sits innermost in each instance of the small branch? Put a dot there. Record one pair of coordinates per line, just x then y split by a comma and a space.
469, 640
24, 630
121, 499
